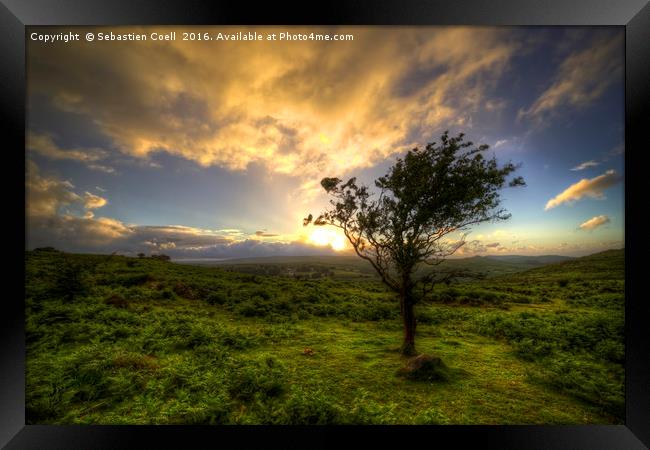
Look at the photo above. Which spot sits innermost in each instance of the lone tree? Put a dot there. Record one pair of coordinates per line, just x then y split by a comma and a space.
423, 198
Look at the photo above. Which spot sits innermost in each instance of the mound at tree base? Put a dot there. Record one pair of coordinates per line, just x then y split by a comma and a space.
424, 368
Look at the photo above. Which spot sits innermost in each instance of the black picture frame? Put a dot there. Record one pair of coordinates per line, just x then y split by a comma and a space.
633, 15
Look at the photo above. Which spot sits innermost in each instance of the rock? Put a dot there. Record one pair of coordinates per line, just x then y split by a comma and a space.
425, 368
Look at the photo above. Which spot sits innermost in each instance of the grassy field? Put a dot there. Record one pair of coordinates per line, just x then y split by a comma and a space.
117, 340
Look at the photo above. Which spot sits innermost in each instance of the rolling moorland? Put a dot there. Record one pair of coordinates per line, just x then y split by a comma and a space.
353, 268
119, 340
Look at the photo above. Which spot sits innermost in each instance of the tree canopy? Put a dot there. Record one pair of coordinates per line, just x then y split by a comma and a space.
426, 196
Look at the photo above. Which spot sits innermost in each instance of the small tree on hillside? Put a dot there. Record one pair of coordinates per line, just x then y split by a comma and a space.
423, 198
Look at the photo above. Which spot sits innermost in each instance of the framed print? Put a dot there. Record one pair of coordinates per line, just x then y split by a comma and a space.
378, 220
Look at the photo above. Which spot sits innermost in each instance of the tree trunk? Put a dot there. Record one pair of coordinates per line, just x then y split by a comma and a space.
408, 315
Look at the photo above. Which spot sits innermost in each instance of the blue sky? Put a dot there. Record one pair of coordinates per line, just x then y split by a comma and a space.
216, 149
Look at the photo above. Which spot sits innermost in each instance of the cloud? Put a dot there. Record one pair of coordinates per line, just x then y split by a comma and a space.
470, 248
495, 105
101, 168
301, 108
262, 233
168, 238
594, 223
44, 144
77, 234
49, 196
46, 196
50, 223
92, 201
255, 248
493, 245
585, 165
106, 235
581, 79
592, 188
617, 150
500, 142
474, 248
88, 233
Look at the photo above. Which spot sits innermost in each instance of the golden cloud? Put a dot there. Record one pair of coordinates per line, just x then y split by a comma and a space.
303, 108
594, 223
593, 188
45, 145
45, 196
92, 201
582, 78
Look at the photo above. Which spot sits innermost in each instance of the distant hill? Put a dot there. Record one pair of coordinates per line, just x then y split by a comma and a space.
337, 259
320, 259
531, 260
346, 266
609, 264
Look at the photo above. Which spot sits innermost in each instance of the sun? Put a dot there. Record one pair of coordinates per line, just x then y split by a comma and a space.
327, 236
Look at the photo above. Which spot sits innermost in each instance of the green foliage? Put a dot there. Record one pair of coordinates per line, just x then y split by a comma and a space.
579, 353
313, 407
257, 380
426, 195
149, 342
588, 379
70, 281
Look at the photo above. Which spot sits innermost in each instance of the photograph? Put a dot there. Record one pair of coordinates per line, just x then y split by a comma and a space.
325, 225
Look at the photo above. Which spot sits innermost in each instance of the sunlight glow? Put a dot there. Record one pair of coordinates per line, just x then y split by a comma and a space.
327, 236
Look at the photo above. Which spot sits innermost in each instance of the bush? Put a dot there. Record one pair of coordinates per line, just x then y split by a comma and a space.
310, 408
262, 380
70, 280
215, 411
216, 298
432, 416
167, 294
591, 382
47, 250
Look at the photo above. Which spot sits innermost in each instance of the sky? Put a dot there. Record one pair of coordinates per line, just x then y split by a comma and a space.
216, 149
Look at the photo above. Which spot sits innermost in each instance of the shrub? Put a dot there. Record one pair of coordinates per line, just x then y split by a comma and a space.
70, 280
251, 380
216, 298
214, 411
47, 250
592, 383
432, 416
310, 408
167, 294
